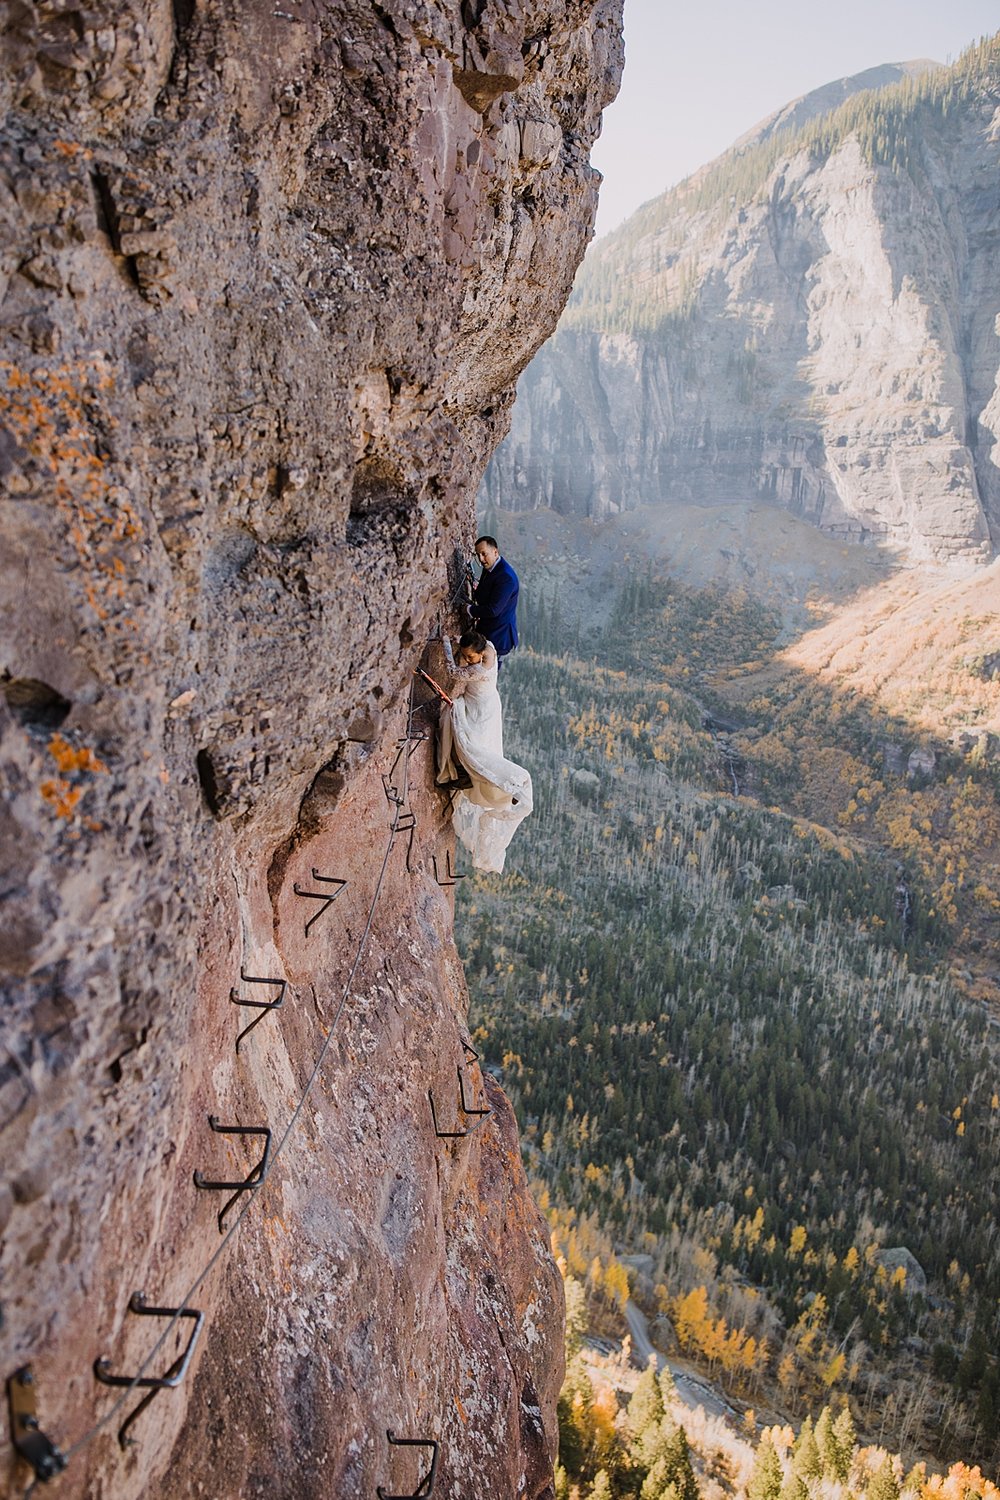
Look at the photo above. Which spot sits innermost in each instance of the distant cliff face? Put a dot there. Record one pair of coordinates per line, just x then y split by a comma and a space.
268, 275
824, 334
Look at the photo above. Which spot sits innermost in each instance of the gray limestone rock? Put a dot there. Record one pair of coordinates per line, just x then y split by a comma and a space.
829, 341
901, 1258
585, 784
920, 764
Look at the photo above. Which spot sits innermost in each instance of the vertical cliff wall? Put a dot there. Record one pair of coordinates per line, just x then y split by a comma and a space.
813, 320
268, 275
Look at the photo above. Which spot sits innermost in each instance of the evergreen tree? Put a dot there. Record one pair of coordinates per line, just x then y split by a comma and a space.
647, 1404
660, 1453
561, 1479
656, 1485
826, 1446
676, 1456
668, 1390
574, 1413
843, 1441
601, 1487
651, 1446
883, 1484
988, 1405
767, 1477
806, 1460
794, 1487
576, 1316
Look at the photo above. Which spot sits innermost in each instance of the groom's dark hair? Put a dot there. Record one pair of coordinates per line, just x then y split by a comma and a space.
490, 541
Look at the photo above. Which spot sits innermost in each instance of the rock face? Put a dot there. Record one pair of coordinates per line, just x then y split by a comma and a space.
825, 336
901, 1259
268, 276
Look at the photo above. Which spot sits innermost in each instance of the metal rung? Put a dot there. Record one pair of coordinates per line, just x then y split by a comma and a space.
324, 896
451, 877
464, 1106
405, 823
262, 1005
426, 1485
254, 1178
152, 1384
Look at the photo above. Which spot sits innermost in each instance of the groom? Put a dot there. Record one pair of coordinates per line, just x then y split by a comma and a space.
494, 598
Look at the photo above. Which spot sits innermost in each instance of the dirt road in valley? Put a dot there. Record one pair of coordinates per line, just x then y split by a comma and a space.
692, 1389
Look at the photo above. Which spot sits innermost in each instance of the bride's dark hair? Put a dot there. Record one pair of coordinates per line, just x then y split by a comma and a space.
473, 641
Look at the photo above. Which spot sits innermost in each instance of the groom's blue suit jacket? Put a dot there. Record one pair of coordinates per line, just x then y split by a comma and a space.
494, 606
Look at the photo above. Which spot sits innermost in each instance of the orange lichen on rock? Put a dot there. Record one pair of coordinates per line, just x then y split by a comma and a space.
63, 795
55, 416
71, 758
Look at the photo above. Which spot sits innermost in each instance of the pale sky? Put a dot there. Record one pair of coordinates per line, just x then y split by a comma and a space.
697, 75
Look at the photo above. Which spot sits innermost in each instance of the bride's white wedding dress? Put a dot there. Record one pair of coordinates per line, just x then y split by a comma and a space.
487, 813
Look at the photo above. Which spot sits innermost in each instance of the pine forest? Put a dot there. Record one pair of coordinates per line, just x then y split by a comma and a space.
758, 1100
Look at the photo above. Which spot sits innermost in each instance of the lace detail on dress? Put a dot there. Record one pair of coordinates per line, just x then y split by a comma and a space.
480, 671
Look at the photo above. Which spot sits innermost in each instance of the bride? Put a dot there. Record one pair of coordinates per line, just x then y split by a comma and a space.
494, 795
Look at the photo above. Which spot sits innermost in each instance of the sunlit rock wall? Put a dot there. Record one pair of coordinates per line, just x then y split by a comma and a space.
268, 275
831, 345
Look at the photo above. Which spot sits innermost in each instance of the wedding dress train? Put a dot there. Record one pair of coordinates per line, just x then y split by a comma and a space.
487, 813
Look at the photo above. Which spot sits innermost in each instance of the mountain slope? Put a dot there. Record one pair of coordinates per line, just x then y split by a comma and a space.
830, 96
812, 320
